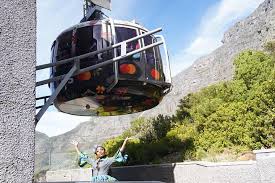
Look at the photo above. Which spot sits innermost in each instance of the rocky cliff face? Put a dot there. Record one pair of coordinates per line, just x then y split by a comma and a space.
42, 151
251, 33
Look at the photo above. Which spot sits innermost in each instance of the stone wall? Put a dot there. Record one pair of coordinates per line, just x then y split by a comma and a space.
17, 89
262, 170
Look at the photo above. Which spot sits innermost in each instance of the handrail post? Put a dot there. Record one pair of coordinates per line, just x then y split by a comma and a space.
54, 95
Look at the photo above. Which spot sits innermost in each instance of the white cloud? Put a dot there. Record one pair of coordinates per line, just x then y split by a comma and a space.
210, 31
55, 123
202, 45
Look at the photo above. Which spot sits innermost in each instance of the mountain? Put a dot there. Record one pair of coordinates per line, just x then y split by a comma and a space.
42, 151
250, 33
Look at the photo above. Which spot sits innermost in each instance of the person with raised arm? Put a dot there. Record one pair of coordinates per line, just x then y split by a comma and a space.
101, 164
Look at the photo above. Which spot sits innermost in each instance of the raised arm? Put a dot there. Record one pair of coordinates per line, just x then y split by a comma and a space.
119, 157
122, 148
83, 158
75, 143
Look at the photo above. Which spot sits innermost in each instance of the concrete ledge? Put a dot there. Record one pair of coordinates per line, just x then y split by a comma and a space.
264, 153
217, 164
262, 170
115, 182
265, 159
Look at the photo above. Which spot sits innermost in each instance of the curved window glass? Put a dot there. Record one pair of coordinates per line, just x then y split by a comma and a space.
88, 39
53, 69
64, 50
131, 67
154, 70
122, 34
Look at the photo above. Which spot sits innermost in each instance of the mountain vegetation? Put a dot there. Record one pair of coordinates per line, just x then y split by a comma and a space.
231, 116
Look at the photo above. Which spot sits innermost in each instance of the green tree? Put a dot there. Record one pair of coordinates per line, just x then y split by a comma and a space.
238, 115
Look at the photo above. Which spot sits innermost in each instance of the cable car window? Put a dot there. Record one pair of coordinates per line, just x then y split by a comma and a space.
106, 34
88, 39
64, 50
153, 57
150, 55
159, 63
106, 38
123, 34
53, 69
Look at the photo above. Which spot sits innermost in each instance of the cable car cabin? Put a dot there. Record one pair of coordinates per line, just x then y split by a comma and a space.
132, 84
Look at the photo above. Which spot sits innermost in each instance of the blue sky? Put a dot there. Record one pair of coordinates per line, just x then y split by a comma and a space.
191, 28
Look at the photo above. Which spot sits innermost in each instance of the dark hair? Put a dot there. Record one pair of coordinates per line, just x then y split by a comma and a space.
95, 149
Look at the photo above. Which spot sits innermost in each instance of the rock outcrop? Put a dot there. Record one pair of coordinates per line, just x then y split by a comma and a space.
250, 33
42, 151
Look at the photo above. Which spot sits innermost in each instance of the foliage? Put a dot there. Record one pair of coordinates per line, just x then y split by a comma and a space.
40, 175
233, 116
270, 47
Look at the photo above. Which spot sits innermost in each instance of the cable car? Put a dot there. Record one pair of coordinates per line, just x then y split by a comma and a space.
120, 67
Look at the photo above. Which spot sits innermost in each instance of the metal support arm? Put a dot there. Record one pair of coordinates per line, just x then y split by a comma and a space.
54, 95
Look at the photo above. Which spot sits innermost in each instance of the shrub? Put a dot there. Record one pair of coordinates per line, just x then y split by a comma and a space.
232, 116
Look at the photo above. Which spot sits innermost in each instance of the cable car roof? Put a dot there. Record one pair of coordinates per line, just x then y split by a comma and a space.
99, 22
